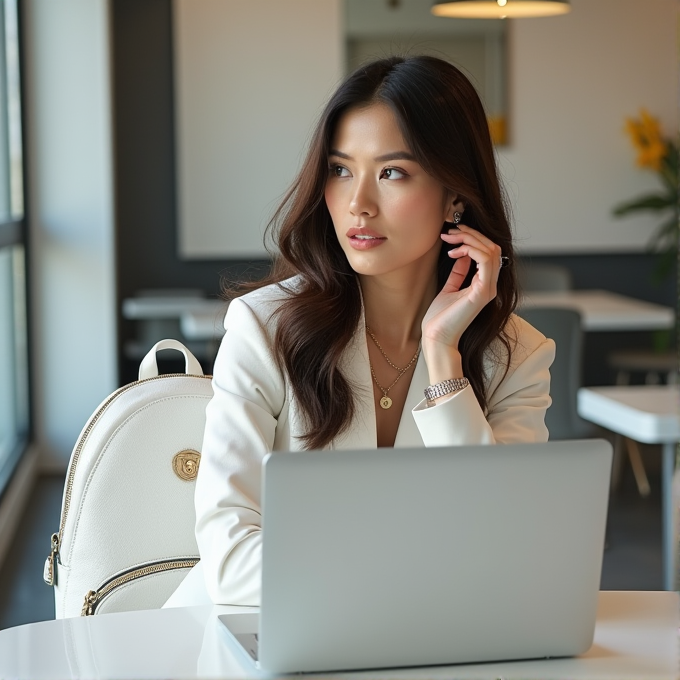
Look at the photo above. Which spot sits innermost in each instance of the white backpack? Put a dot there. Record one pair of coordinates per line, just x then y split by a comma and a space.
126, 537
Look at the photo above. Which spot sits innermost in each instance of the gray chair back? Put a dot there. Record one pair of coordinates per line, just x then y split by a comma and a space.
543, 277
564, 327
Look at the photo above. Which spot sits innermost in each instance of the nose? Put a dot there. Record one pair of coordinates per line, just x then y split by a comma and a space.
363, 200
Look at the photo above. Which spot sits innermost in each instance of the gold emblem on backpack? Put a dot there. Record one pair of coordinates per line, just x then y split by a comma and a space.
185, 464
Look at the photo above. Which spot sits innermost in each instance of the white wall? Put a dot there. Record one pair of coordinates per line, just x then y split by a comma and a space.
250, 80
71, 217
573, 81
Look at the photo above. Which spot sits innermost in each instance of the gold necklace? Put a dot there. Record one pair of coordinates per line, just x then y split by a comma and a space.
386, 402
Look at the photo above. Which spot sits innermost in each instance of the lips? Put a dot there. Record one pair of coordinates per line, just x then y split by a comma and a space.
364, 239
362, 234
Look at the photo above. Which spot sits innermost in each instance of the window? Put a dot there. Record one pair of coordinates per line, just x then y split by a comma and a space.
14, 400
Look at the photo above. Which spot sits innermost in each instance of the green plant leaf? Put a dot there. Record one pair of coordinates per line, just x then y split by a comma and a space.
662, 340
654, 202
666, 236
671, 160
665, 265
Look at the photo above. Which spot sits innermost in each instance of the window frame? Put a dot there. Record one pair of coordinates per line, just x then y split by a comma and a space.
14, 232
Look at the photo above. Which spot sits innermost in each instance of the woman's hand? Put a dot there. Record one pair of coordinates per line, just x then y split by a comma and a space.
452, 311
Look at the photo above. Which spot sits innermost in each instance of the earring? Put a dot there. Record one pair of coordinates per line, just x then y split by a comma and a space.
457, 217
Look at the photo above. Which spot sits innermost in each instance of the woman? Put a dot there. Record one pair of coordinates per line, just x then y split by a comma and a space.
390, 280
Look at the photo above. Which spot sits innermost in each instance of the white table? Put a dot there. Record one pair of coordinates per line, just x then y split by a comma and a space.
636, 637
169, 306
203, 325
201, 319
649, 414
602, 310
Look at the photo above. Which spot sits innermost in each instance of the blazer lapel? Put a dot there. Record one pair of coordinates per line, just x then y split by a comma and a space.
408, 433
362, 433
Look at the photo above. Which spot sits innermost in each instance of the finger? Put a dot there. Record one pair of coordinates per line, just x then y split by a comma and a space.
473, 239
476, 239
484, 239
488, 268
451, 235
459, 271
479, 255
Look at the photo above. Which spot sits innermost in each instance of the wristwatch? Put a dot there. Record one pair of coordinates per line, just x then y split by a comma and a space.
441, 389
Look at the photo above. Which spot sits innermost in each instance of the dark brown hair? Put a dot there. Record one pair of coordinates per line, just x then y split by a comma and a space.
443, 123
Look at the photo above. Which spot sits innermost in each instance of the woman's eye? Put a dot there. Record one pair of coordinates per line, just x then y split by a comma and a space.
392, 173
338, 171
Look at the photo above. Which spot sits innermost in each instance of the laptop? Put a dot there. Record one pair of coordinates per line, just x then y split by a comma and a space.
412, 557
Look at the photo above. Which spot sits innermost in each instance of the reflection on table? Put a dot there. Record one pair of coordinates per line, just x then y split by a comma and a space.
635, 637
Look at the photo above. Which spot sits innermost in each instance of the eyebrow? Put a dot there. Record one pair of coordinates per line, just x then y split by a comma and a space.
391, 156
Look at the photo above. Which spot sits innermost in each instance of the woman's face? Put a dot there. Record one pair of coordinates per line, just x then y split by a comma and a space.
387, 211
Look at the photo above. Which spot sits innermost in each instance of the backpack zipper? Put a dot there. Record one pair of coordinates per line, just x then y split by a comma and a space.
93, 598
49, 573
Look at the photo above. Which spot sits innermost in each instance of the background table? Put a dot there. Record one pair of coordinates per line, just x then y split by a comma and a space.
188, 317
636, 637
201, 319
649, 414
604, 311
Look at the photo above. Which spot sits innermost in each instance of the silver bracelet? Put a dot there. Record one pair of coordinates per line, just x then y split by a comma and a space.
445, 387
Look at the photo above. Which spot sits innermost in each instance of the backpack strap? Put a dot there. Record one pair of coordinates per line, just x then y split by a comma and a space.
149, 368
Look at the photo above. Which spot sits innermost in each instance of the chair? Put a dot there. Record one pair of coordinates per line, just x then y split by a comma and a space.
543, 277
564, 327
654, 366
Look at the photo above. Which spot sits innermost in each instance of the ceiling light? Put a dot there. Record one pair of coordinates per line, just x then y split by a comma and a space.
499, 9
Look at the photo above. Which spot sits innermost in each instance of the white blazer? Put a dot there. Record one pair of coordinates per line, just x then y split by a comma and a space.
254, 412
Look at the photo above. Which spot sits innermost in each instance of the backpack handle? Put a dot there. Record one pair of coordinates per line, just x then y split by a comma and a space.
149, 368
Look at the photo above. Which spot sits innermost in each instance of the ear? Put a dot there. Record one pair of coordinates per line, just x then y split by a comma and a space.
454, 204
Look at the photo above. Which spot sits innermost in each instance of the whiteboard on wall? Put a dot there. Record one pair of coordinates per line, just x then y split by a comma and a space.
250, 81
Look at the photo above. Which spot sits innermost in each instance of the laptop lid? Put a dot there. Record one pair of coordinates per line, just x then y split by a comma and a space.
410, 557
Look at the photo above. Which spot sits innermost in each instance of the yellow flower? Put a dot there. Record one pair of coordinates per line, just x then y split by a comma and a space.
645, 134
498, 129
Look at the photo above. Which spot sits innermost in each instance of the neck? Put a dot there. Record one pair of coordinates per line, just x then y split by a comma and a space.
395, 306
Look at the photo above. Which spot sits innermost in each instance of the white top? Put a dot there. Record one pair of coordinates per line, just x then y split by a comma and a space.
645, 413
636, 636
602, 310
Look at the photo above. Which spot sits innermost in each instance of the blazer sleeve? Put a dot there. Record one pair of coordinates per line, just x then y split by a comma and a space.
517, 399
241, 422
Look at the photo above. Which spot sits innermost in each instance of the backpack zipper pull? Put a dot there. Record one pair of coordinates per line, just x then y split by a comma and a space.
49, 571
89, 604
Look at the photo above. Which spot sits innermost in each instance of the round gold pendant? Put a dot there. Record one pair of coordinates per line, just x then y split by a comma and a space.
385, 402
